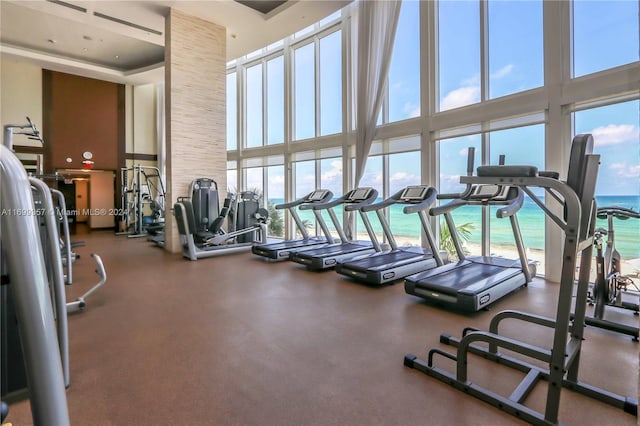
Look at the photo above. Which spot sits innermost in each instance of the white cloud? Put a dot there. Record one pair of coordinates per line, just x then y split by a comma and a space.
403, 179
623, 170
278, 179
333, 173
614, 134
462, 96
411, 109
449, 183
502, 72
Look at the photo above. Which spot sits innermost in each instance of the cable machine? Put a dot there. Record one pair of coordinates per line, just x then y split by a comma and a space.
143, 201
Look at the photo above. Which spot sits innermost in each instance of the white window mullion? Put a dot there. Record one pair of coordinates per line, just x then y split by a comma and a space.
484, 50
265, 89
316, 53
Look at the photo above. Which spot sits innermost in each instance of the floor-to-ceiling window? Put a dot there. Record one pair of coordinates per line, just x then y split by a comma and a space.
474, 73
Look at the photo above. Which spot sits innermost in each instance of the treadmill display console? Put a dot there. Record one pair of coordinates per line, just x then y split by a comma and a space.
414, 193
360, 194
317, 195
493, 192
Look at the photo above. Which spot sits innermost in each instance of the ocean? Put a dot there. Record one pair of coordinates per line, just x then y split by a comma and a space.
530, 218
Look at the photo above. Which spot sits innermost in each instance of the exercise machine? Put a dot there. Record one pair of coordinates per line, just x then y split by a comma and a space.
143, 202
24, 286
281, 250
610, 284
474, 282
69, 258
398, 262
559, 365
200, 223
330, 255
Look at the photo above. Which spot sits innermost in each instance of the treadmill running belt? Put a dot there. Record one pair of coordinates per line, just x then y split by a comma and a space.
291, 244
466, 278
330, 250
372, 262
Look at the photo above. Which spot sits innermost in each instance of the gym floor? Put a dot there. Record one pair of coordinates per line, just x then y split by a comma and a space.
239, 340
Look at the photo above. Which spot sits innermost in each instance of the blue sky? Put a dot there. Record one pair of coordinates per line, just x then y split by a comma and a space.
515, 42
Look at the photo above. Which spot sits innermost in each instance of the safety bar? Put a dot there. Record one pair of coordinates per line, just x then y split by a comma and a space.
81, 302
29, 290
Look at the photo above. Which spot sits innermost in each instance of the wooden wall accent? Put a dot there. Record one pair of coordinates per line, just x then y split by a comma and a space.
195, 96
82, 114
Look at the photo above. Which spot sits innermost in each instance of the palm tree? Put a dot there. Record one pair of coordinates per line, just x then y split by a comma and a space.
464, 234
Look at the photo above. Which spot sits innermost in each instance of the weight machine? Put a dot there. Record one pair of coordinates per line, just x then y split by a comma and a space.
143, 201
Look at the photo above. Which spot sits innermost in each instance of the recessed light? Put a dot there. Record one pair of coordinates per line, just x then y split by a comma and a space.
117, 56
52, 41
84, 49
86, 37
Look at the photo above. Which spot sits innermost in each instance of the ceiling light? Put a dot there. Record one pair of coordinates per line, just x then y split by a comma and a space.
117, 56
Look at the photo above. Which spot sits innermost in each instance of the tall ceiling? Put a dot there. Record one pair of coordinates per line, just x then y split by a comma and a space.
123, 41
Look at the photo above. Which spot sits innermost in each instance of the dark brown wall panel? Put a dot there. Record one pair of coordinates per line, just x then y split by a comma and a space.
82, 114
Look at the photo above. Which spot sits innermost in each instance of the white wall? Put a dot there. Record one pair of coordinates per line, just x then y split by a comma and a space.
21, 96
144, 119
101, 193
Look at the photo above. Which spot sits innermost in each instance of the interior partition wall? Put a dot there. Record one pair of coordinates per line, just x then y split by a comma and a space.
462, 74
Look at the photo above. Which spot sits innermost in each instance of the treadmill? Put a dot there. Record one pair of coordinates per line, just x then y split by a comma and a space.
388, 266
474, 282
330, 255
281, 250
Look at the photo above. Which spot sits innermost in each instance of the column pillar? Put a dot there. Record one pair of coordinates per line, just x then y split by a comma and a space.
195, 102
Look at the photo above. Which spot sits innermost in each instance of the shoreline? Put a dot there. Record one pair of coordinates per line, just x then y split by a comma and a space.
630, 267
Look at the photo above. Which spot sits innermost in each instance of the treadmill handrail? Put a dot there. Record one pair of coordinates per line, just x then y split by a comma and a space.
511, 205
327, 205
304, 200
432, 195
384, 203
410, 208
617, 212
352, 206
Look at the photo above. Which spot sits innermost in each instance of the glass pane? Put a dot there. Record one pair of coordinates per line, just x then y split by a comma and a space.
404, 71
331, 179
331, 84
373, 178
515, 46
254, 106
616, 135
459, 53
274, 196
275, 101
468, 219
232, 180
531, 218
304, 87
304, 183
232, 112
253, 180
404, 170
605, 35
